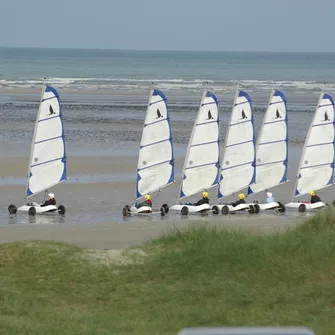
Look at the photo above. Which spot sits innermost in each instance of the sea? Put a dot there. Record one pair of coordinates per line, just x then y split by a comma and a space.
104, 94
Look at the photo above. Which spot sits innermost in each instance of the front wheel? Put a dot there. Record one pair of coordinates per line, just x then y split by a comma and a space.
61, 209
166, 208
12, 209
32, 211
257, 208
184, 210
225, 210
251, 209
215, 210
302, 208
281, 208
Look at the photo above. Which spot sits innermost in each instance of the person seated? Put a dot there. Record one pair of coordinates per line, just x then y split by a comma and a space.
203, 200
147, 202
314, 197
50, 201
240, 200
269, 197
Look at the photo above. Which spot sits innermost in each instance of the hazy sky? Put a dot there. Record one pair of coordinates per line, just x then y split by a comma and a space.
236, 25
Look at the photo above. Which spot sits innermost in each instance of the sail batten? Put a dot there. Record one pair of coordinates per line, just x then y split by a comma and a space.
47, 163
237, 170
316, 167
155, 168
272, 146
200, 170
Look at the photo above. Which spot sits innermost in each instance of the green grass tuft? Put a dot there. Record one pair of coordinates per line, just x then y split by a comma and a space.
197, 277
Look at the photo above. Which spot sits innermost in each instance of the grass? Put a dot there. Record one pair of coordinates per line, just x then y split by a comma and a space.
198, 277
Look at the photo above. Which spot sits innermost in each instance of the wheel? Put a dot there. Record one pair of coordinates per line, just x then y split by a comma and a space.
162, 211
184, 210
251, 209
302, 208
32, 211
12, 209
281, 208
125, 210
166, 208
225, 210
215, 210
257, 208
61, 209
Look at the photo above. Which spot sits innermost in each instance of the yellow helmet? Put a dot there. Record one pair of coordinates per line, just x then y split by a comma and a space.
205, 194
241, 196
147, 197
311, 193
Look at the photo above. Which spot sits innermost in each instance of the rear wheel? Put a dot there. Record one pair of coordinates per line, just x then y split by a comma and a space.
257, 208
281, 208
251, 209
215, 210
184, 210
225, 210
12, 209
32, 211
302, 208
166, 208
125, 211
61, 209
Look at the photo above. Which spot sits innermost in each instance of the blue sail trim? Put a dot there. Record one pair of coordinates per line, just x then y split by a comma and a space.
204, 143
153, 143
240, 143
209, 103
48, 139
205, 123
211, 95
322, 124
277, 121
150, 124
238, 165
50, 98
319, 144
316, 165
237, 123
49, 118
46, 162
272, 142
201, 165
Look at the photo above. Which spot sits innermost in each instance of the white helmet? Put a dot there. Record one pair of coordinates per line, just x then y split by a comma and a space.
51, 195
269, 194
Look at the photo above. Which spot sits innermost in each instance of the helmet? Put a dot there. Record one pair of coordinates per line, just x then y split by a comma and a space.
51, 195
311, 193
147, 197
269, 194
205, 194
241, 196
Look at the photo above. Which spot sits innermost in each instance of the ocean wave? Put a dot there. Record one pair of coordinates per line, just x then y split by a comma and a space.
166, 84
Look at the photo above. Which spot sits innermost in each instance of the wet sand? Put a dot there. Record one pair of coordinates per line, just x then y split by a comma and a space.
120, 236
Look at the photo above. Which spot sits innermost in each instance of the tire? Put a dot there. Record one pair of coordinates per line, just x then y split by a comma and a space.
12, 209
215, 210
61, 209
257, 208
184, 210
251, 209
281, 208
166, 208
162, 211
302, 208
32, 211
125, 210
225, 210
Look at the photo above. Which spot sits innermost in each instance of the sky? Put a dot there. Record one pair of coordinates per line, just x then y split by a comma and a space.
209, 25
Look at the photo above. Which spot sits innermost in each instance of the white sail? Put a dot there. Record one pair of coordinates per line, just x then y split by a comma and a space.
155, 168
272, 146
316, 168
238, 160
47, 164
200, 171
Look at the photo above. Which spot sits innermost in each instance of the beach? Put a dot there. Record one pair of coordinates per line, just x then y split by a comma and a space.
103, 118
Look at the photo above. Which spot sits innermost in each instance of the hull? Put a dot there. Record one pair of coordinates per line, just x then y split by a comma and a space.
187, 209
226, 209
303, 207
33, 210
144, 210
